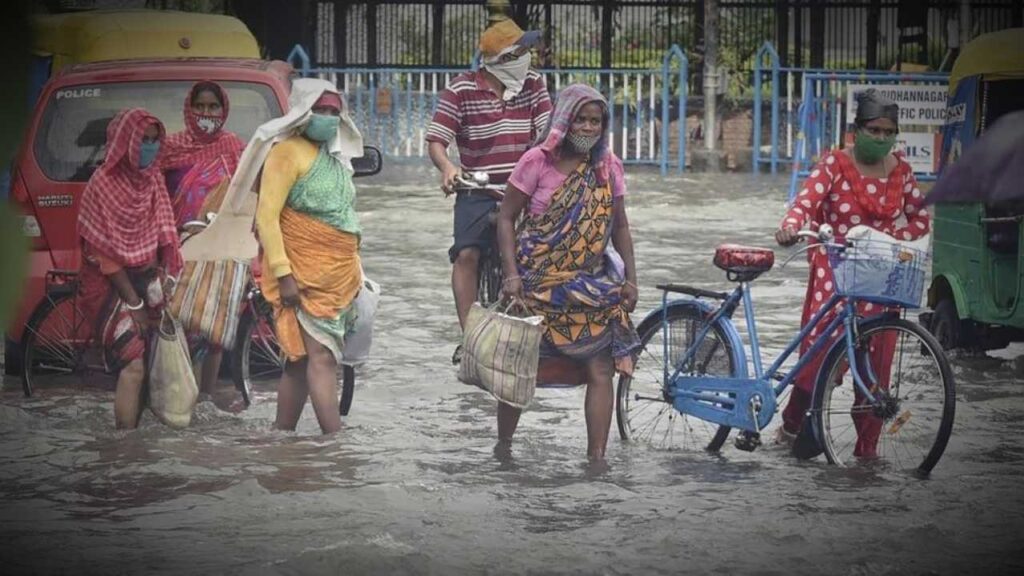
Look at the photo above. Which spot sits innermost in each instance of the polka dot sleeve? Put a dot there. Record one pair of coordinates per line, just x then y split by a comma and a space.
918, 219
808, 200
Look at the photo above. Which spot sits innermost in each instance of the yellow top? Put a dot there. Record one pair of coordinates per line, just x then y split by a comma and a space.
288, 161
125, 34
994, 55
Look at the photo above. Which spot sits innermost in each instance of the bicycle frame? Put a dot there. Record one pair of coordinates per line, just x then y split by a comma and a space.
717, 399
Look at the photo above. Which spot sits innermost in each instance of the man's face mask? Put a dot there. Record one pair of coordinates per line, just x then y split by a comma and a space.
511, 71
148, 152
322, 127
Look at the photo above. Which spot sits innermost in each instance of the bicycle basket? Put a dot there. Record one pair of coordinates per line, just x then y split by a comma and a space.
879, 271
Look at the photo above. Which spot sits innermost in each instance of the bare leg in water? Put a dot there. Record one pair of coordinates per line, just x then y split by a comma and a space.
292, 392
598, 405
128, 396
314, 377
322, 378
464, 280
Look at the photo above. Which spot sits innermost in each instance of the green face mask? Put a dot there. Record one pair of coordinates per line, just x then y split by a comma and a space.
322, 127
870, 150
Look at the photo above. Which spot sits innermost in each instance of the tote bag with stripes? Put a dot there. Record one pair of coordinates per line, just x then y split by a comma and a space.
208, 299
501, 353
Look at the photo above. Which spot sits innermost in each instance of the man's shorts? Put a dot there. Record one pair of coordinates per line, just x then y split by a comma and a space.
473, 227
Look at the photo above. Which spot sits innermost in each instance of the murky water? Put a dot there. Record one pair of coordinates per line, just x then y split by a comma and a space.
411, 484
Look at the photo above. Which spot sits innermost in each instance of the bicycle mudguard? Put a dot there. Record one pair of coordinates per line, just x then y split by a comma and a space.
728, 328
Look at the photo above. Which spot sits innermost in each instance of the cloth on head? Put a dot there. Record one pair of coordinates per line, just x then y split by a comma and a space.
125, 211
503, 35
193, 145
570, 100
239, 205
871, 105
329, 99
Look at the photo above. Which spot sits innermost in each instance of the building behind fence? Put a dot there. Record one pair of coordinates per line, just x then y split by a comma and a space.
833, 34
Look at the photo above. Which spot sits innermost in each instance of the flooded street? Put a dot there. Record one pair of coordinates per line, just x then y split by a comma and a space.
411, 484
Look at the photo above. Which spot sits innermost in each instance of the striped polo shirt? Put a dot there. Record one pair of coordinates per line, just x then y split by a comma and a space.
491, 134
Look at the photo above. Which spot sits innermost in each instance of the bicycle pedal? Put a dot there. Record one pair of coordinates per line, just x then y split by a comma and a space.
748, 441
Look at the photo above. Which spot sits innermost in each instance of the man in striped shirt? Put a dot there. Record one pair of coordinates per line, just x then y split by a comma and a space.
493, 115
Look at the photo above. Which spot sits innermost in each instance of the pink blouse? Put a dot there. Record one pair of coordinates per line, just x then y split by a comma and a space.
536, 176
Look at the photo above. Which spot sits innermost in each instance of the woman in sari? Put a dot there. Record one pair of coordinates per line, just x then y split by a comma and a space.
572, 190
195, 162
129, 247
310, 234
868, 185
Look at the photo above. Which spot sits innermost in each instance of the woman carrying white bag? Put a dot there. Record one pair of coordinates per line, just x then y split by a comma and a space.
129, 251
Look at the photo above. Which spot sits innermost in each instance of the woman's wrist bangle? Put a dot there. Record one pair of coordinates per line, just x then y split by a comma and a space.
139, 306
509, 279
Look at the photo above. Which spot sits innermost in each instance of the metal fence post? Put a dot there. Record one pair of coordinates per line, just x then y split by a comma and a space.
298, 52
673, 51
768, 49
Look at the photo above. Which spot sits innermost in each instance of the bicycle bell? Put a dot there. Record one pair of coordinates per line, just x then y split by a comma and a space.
825, 233
480, 178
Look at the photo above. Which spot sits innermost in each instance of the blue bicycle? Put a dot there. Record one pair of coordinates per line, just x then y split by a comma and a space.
885, 389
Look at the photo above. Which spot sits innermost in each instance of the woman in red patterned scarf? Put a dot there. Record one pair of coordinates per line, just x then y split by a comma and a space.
129, 246
202, 155
195, 161
868, 185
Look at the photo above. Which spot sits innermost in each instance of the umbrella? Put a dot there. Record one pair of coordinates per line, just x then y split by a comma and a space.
991, 171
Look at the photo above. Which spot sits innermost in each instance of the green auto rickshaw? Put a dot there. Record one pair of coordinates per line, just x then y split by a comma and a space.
978, 262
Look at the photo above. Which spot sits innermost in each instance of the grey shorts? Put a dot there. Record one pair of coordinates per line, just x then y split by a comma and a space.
473, 227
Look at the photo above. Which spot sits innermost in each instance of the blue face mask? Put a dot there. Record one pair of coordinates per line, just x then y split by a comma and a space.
322, 127
148, 152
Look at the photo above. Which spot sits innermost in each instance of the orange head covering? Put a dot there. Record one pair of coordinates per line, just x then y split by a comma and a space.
505, 33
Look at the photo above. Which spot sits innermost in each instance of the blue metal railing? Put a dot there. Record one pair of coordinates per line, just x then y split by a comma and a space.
393, 106
766, 49
675, 52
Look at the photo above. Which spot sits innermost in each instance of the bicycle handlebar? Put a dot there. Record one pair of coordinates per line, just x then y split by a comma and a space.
824, 234
479, 182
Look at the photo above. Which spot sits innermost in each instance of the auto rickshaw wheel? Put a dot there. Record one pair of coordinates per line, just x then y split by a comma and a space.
946, 324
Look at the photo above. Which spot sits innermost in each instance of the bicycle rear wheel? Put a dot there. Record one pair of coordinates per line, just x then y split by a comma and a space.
56, 340
644, 409
910, 424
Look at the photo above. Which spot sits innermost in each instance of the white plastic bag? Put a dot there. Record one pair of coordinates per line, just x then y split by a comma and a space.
359, 340
172, 384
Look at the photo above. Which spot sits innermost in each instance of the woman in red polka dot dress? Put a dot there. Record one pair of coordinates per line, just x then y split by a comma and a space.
870, 186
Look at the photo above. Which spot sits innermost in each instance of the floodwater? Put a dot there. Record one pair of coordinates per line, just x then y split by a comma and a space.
411, 484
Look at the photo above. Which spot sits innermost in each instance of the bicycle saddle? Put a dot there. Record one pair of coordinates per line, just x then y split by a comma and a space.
743, 263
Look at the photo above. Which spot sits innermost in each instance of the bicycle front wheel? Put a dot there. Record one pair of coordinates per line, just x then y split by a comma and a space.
644, 409
908, 423
257, 356
489, 282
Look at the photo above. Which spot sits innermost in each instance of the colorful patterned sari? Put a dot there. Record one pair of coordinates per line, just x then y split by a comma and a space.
569, 279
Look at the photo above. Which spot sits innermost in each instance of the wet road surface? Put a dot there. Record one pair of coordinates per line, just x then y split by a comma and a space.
411, 484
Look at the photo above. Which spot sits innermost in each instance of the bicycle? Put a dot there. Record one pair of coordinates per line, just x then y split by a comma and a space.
489, 273
59, 342
694, 386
